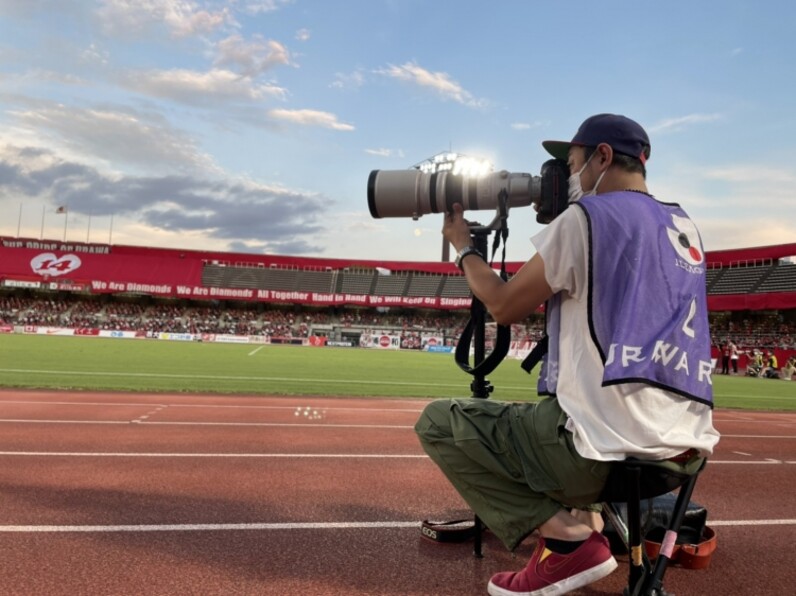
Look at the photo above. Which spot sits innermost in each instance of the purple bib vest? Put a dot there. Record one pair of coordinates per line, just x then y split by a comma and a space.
647, 297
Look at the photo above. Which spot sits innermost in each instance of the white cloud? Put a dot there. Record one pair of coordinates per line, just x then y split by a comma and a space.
198, 88
119, 137
303, 35
251, 58
344, 81
262, 6
734, 205
383, 152
439, 82
182, 18
95, 54
720, 234
676, 124
755, 176
222, 209
527, 125
310, 118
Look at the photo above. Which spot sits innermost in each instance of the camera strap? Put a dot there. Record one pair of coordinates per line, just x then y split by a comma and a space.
540, 349
503, 338
488, 364
533, 358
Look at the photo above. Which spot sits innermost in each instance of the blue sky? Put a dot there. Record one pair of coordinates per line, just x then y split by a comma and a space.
252, 125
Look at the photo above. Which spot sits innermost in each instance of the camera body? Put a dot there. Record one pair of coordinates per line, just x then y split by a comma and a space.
554, 198
413, 193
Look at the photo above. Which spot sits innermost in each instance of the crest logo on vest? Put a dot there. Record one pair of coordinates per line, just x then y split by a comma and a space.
684, 238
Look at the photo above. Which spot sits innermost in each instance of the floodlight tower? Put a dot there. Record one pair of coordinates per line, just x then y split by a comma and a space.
458, 165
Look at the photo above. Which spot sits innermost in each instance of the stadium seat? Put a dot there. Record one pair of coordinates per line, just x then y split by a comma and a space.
629, 482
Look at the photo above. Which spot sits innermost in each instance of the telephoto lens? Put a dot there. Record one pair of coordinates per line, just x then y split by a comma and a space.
413, 193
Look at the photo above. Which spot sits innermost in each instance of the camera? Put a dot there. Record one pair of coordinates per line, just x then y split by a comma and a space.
414, 193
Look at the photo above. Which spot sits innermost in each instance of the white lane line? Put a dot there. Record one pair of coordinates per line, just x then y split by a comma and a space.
742, 453
208, 455
253, 352
723, 436
295, 456
301, 404
300, 526
764, 462
280, 424
754, 396
753, 522
284, 424
32, 402
34, 421
257, 424
214, 527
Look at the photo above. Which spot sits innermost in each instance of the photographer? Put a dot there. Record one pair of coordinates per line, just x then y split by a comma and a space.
771, 368
755, 366
627, 373
789, 369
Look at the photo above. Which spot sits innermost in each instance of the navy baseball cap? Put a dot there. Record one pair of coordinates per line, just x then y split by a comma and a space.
624, 135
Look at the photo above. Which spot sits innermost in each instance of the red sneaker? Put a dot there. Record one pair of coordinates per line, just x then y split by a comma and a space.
549, 573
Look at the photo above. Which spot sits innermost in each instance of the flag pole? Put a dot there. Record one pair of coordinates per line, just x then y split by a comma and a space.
110, 231
41, 235
19, 221
66, 219
88, 230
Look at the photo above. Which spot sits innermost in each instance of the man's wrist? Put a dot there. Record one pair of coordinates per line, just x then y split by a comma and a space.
465, 252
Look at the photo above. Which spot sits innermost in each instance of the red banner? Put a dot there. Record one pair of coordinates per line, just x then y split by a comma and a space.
100, 269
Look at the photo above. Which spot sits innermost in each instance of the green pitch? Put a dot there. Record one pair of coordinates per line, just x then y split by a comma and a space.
166, 366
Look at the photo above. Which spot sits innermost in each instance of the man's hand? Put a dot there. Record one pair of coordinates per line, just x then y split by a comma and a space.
456, 229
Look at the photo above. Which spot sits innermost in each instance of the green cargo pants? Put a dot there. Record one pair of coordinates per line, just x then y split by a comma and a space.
513, 463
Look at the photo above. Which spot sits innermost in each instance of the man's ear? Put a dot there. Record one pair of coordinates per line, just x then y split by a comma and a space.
606, 154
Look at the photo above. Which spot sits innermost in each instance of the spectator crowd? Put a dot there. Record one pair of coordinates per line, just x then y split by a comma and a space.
752, 336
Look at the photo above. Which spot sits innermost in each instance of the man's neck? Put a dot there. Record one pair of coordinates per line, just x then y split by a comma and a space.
623, 181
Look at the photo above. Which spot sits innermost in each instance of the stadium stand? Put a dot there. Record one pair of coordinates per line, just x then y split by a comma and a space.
739, 279
751, 293
781, 278
391, 285
357, 281
316, 281
424, 284
454, 286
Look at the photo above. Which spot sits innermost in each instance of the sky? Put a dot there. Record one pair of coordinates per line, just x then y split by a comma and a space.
253, 125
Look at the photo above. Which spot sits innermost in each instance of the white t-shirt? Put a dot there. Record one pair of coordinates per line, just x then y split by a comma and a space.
618, 421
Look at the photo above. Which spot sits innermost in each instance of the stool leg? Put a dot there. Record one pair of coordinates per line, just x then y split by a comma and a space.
612, 514
637, 568
655, 583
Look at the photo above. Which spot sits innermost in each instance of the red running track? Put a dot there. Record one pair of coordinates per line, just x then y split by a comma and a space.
184, 494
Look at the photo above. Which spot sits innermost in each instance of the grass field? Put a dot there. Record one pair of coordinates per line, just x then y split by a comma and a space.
29, 361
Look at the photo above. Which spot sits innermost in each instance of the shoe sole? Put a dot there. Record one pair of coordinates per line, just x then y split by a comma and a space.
584, 578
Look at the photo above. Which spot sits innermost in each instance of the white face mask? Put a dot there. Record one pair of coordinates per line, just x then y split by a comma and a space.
576, 192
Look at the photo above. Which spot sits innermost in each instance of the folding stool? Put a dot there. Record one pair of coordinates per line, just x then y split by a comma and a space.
632, 480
